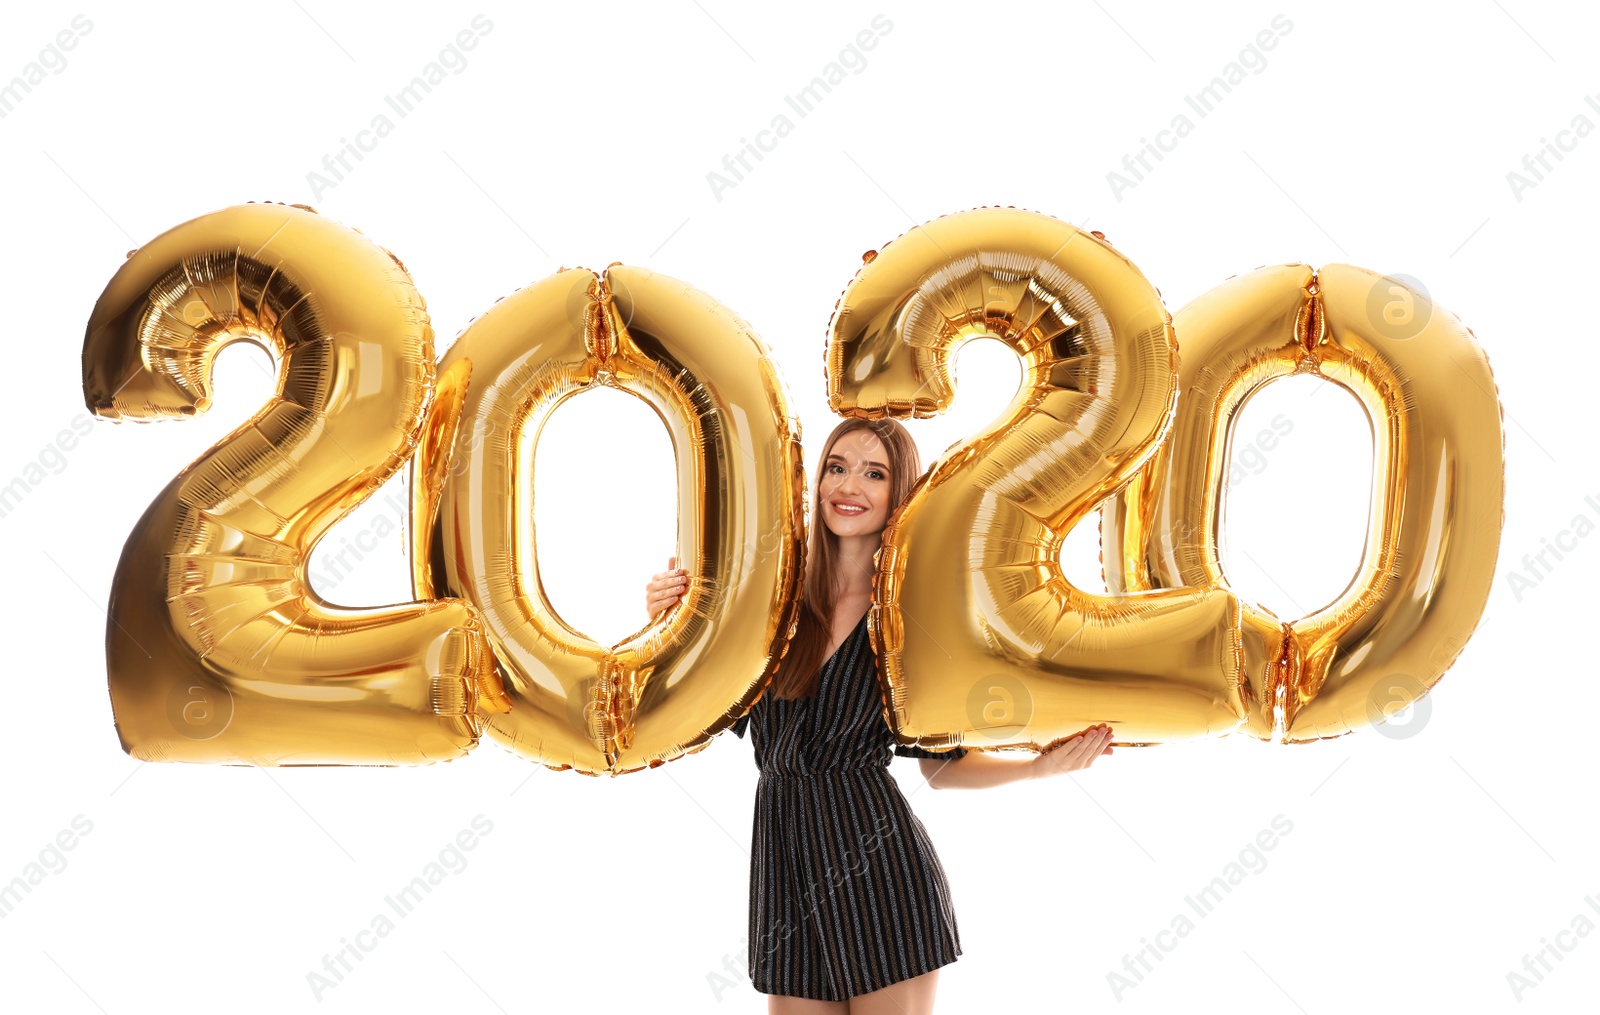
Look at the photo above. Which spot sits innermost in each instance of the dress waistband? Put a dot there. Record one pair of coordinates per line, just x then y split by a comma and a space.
823, 773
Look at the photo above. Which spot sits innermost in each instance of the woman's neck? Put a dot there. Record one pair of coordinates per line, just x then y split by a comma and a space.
854, 568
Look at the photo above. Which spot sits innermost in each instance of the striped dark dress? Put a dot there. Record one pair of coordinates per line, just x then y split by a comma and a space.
846, 892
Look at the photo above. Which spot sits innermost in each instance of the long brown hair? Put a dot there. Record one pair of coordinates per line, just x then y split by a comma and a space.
798, 673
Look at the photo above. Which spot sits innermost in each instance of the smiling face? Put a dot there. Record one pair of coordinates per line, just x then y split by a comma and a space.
855, 485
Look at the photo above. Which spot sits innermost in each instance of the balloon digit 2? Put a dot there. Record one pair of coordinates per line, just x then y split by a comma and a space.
970, 599
217, 650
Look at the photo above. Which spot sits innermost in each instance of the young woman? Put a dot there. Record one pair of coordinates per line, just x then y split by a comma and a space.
850, 911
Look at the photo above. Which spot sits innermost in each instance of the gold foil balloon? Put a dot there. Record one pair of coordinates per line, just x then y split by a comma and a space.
665, 690
217, 649
1433, 532
981, 639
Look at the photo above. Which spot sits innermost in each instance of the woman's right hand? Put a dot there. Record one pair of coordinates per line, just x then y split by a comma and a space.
1075, 752
666, 589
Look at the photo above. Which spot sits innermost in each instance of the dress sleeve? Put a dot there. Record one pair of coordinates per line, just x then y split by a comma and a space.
952, 754
743, 724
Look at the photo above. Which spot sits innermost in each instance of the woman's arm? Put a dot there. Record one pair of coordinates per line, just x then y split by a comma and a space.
981, 770
975, 770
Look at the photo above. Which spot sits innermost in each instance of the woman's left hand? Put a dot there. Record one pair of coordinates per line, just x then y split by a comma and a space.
1076, 752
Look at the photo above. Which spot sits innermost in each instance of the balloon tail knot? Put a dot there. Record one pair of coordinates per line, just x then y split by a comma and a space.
1311, 326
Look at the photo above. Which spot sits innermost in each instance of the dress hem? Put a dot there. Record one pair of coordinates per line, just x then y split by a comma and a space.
869, 990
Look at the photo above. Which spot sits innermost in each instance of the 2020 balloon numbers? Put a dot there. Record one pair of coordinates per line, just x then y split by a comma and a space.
983, 640
219, 651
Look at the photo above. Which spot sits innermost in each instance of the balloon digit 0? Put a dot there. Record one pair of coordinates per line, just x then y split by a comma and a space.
1438, 487
640, 703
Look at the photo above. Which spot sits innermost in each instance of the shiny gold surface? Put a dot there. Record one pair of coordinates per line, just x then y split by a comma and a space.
982, 641
1433, 532
217, 649
665, 690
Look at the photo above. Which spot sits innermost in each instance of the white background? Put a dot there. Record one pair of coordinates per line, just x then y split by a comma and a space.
1420, 869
